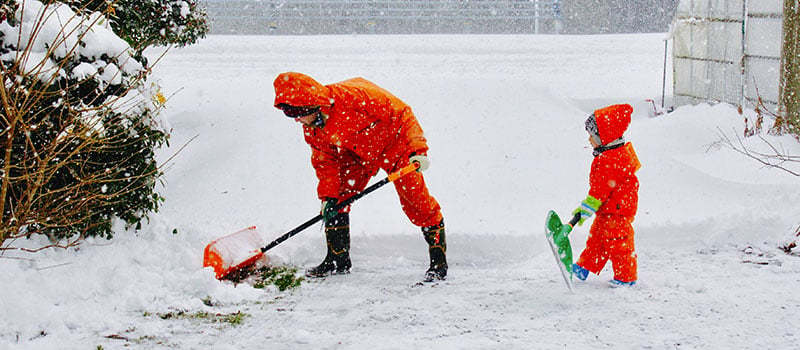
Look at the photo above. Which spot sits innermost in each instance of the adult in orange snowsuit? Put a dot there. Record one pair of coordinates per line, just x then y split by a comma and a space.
354, 129
613, 197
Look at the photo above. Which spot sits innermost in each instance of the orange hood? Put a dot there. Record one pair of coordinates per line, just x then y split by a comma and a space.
300, 90
613, 121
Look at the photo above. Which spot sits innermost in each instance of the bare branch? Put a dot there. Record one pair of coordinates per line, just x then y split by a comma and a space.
776, 160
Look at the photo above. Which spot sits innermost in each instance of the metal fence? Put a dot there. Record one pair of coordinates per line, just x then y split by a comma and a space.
728, 51
383, 16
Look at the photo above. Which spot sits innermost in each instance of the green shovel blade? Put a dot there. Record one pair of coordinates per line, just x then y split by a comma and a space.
557, 233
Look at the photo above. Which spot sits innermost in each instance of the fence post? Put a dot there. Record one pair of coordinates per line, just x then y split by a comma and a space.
743, 62
790, 66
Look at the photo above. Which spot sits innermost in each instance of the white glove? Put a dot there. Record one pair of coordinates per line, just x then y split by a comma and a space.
423, 161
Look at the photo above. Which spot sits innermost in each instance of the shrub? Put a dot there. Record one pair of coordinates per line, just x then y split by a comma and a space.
79, 122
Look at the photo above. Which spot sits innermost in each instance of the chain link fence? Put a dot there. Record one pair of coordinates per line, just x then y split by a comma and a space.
439, 16
383, 16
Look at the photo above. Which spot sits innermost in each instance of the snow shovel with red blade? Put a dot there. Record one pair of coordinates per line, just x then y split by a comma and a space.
241, 249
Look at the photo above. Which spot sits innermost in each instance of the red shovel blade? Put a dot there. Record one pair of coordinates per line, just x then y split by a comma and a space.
233, 252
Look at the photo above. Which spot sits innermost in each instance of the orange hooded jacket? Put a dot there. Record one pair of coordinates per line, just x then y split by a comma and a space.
362, 120
612, 178
613, 181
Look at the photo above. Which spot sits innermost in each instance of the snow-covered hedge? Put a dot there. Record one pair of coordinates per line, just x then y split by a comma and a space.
80, 123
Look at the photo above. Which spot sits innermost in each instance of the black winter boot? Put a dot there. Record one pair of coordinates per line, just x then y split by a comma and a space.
337, 260
437, 249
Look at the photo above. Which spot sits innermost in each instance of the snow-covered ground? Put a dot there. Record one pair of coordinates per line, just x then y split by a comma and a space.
504, 119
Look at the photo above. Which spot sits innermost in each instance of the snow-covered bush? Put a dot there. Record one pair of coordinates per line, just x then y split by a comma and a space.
79, 126
145, 23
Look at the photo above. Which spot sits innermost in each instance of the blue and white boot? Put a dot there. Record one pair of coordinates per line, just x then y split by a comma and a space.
617, 283
579, 272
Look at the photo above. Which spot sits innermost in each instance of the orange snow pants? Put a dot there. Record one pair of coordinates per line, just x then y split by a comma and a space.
611, 238
418, 205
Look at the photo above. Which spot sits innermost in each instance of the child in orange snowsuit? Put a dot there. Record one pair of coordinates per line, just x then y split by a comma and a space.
613, 196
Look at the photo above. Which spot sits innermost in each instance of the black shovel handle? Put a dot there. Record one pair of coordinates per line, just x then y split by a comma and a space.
575, 219
390, 178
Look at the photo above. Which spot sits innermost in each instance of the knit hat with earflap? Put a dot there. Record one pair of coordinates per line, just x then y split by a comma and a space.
591, 128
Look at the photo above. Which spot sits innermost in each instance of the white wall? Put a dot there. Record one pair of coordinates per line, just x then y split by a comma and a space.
708, 50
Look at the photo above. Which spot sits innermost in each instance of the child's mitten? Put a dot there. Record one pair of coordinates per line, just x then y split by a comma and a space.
587, 208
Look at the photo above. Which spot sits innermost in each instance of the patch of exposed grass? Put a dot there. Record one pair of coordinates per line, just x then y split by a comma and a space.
282, 277
234, 318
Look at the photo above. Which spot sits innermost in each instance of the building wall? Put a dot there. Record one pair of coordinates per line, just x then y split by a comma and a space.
714, 61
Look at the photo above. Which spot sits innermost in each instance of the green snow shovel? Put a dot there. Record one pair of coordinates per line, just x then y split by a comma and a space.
556, 233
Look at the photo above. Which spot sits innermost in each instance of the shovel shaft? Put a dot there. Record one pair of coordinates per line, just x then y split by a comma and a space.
390, 178
567, 229
575, 219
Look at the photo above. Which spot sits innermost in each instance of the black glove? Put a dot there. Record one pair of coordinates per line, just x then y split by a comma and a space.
327, 211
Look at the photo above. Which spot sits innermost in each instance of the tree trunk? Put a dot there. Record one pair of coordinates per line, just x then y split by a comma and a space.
790, 66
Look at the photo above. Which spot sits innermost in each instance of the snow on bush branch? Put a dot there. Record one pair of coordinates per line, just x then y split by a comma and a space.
144, 23
53, 43
46, 34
